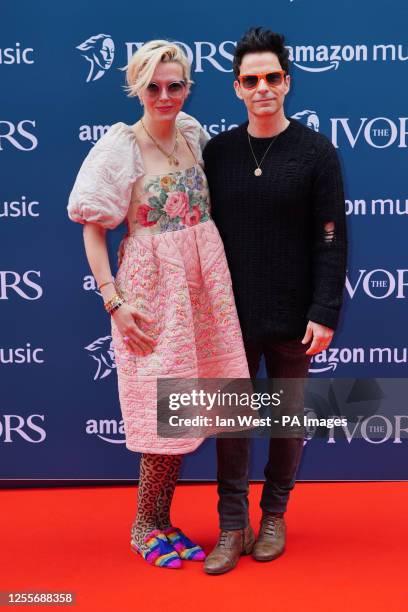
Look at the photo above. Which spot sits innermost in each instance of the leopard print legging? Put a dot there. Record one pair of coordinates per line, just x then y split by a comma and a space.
157, 481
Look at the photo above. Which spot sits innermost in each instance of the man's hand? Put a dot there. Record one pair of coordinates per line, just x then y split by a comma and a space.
320, 335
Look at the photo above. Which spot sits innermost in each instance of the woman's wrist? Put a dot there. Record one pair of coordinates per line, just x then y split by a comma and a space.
107, 290
111, 282
108, 294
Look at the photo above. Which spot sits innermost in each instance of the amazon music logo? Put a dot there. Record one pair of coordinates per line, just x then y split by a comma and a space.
25, 354
378, 206
321, 58
89, 284
108, 430
22, 207
92, 133
16, 55
333, 357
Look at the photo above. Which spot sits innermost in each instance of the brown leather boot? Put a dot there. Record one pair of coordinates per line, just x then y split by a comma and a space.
271, 538
230, 546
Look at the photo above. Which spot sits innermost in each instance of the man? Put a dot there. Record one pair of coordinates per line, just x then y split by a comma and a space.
278, 202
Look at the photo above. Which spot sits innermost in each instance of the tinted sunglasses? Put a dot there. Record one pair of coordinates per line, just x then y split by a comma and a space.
174, 90
273, 79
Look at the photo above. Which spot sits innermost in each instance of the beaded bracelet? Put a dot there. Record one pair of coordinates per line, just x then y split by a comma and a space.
115, 307
114, 303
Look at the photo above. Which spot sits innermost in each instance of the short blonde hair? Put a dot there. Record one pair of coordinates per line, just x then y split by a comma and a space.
144, 62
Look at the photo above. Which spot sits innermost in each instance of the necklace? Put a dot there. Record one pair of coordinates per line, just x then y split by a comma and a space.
170, 156
258, 171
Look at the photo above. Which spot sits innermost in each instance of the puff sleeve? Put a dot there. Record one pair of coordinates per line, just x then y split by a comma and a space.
102, 189
194, 132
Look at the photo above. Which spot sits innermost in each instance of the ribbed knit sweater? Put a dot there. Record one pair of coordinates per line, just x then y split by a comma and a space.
287, 267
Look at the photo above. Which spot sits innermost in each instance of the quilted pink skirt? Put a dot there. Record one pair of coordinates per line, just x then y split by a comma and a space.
181, 279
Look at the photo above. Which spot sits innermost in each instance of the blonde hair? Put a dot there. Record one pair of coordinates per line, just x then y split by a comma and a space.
144, 62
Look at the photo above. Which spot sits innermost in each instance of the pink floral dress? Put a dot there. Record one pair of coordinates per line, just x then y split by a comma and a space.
172, 266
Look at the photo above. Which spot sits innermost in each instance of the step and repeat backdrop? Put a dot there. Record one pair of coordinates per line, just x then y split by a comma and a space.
62, 68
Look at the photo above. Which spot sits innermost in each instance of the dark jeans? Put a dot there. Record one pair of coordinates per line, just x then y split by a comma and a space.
283, 359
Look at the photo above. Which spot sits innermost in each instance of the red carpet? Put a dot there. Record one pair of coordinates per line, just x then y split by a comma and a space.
346, 550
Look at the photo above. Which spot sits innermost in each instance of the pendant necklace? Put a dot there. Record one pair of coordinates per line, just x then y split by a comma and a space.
170, 156
258, 171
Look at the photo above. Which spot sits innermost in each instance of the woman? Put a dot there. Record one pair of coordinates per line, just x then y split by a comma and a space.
171, 303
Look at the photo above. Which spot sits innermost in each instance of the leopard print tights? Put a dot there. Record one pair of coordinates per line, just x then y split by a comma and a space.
157, 481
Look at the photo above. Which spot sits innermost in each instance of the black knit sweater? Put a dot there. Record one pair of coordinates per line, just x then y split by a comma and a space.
287, 267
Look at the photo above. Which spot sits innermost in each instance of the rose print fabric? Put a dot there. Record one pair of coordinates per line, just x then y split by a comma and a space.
174, 201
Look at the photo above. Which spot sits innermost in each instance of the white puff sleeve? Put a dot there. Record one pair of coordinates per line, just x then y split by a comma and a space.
194, 132
102, 189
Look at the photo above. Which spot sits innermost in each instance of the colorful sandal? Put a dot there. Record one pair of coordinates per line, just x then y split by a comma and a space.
160, 552
183, 545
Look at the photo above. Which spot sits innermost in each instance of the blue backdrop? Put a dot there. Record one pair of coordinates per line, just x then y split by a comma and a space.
62, 71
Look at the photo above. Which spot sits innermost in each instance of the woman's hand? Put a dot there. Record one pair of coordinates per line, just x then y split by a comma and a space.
126, 320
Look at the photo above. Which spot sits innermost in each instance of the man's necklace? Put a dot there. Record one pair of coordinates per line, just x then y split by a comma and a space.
170, 156
258, 171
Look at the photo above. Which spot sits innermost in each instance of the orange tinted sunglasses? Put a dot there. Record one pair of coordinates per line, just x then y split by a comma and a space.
273, 79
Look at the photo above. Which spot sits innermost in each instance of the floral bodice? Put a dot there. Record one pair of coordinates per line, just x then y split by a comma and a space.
169, 202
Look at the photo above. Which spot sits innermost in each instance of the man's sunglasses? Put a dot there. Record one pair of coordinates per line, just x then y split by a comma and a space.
174, 90
273, 79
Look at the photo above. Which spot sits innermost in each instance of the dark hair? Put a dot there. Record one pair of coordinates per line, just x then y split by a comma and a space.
256, 40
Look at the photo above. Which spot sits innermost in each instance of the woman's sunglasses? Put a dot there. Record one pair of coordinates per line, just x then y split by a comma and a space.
174, 90
273, 79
